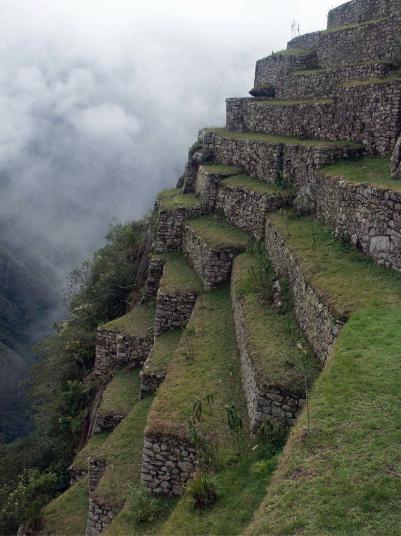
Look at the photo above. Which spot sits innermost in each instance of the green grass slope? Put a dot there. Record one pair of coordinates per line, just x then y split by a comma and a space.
343, 477
67, 515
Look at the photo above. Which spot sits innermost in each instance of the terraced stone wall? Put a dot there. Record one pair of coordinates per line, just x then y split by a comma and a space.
155, 272
367, 216
369, 114
264, 402
213, 265
150, 381
361, 11
168, 463
99, 517
247, 209
326, 82
173, 310
273, 162
274, 68
114, 350
106, 422
315, 318
170, 227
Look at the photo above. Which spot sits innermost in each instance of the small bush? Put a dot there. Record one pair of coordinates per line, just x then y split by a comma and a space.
142, 506
271, 438
203, 490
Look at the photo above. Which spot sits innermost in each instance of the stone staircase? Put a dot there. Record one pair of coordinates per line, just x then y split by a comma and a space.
270, 176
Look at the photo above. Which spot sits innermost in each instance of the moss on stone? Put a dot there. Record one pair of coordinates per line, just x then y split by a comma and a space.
174, 198
254, 185
137, 323
373, 170
219, 169
284, 140
217, 233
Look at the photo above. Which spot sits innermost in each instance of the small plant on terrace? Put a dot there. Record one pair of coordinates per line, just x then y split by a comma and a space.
203, 490
307, 378
204, 443
235, 425
142, 506
261, 272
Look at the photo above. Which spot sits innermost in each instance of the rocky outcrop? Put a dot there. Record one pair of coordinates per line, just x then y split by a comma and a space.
396, 161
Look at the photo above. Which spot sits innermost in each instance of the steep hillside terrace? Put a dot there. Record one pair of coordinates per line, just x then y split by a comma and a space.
205, 367
179, 288
173, 207
207, 183
277, 367
210, 245
275, 158
359, 11
126, 340
68, 513
353, 43
155, 367
367, 111
361, 203
120, 457
118, 399
325, 82
244, 202
339, 471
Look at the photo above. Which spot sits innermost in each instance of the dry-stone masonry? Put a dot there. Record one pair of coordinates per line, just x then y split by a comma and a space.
170, 227
115, 350
173, 310
212, 264
318, 321
396, 161
247, 209
264, 401
207, 185
369, 217
106, 422
168, 463
361, 11
155, 272
99, 517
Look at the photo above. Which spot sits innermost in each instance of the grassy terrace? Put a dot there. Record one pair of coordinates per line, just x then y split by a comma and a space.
217, 233
68, 513
137, 323
285, 140
123, 454
206, 362
293, 52
90, 450
374, 170
272, 338
343, 477
174, 198
346, 279
178, 275
373, 81
354, 25
121, 394
162, 352
219, 169
253, 185
294, 102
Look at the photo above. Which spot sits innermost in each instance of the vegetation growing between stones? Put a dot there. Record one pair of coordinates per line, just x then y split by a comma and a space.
62, 386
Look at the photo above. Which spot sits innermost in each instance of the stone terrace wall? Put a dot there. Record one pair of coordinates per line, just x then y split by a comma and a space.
213, 265
319, 323
326, 82
274, 68
150, 381
367, 216
173, 310
170, 227
369, 114
264, 402
272, 162
114, 350
361, 11
247, 209
168, 463
99, 517
155, 273
106, 422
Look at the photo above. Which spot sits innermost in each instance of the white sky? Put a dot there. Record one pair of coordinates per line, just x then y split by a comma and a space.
99, 100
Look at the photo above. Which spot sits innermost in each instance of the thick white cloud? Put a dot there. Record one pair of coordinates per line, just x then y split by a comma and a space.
99, 100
